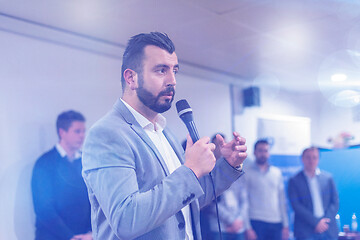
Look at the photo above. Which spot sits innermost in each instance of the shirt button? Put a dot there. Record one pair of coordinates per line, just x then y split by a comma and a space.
181, 225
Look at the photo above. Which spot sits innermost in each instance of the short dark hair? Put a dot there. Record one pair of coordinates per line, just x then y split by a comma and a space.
134, 52
261, 141
65, 119
309, 149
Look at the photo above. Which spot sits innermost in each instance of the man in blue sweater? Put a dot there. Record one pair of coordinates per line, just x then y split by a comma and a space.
60, 196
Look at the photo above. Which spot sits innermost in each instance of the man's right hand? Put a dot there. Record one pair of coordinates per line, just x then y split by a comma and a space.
235, 226
199, 157
323, 225
251, 234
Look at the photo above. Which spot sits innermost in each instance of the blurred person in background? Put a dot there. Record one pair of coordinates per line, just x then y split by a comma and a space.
232, 208
315, 200
267, 210
59, 192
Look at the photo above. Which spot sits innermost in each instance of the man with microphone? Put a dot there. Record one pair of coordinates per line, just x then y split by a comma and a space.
141, 184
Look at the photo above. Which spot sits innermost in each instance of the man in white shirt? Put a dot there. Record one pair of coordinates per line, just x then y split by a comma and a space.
315, 201
141, 185
267, 213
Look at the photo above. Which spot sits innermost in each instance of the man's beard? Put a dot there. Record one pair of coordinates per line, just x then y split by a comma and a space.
153, 102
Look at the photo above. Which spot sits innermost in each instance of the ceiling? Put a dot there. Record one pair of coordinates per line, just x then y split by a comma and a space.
292, 44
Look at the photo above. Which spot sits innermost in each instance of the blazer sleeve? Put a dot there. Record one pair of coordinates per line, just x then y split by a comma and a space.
223, 175
227, 216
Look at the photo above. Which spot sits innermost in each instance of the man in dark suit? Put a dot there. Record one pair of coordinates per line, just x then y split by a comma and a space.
315, 201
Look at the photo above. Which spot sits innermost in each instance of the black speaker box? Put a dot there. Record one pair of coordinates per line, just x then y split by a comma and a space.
251, 96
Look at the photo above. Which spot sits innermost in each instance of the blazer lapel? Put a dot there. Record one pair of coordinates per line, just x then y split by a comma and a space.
176, 147
307, 190
135, 126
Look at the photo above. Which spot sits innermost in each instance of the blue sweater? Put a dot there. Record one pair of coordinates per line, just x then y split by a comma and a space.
60, 198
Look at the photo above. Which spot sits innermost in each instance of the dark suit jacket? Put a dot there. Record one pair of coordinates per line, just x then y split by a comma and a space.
301, 202
132, 193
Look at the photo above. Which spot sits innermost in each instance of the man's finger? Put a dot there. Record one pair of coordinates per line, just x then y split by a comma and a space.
189, 141
212, 146
220, 140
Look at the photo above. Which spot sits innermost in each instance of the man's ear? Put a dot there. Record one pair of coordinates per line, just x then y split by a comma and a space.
61, 132
131, 78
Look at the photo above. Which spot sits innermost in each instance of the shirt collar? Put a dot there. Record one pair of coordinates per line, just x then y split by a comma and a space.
62, 151
160, 120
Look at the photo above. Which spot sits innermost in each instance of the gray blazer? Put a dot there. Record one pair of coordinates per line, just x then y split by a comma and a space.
131, 192
301, 202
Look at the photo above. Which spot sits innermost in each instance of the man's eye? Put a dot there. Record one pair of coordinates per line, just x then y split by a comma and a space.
162, 70
176, 71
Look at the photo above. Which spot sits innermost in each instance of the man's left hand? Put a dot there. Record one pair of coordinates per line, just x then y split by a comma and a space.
234, 151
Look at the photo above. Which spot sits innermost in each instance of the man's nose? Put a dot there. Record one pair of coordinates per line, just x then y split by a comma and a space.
171, 80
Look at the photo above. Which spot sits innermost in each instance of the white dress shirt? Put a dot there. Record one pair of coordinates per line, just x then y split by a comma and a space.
155, 133
315, 192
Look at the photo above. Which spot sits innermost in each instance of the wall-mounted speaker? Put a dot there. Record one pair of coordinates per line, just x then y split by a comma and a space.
251, 97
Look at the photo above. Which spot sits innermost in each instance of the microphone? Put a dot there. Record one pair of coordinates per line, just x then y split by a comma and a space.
185, 113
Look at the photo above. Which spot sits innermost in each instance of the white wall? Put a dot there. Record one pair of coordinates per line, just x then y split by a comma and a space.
38, 81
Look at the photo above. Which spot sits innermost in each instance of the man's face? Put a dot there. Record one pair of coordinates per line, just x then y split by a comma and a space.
310, 160
262, 153
156, 83
73, 138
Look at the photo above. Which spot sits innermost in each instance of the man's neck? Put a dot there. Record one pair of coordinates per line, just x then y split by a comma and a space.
310, 173
70, 153
263, 167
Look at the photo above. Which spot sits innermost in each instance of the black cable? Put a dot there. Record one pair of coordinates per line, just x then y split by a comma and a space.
216, 206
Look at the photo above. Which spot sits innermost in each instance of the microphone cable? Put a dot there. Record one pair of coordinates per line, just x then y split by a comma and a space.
216, 207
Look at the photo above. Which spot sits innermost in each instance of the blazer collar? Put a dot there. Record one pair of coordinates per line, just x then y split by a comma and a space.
120, 107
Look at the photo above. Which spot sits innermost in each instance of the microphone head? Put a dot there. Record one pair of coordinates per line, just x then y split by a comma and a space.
183, 107
185, 113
